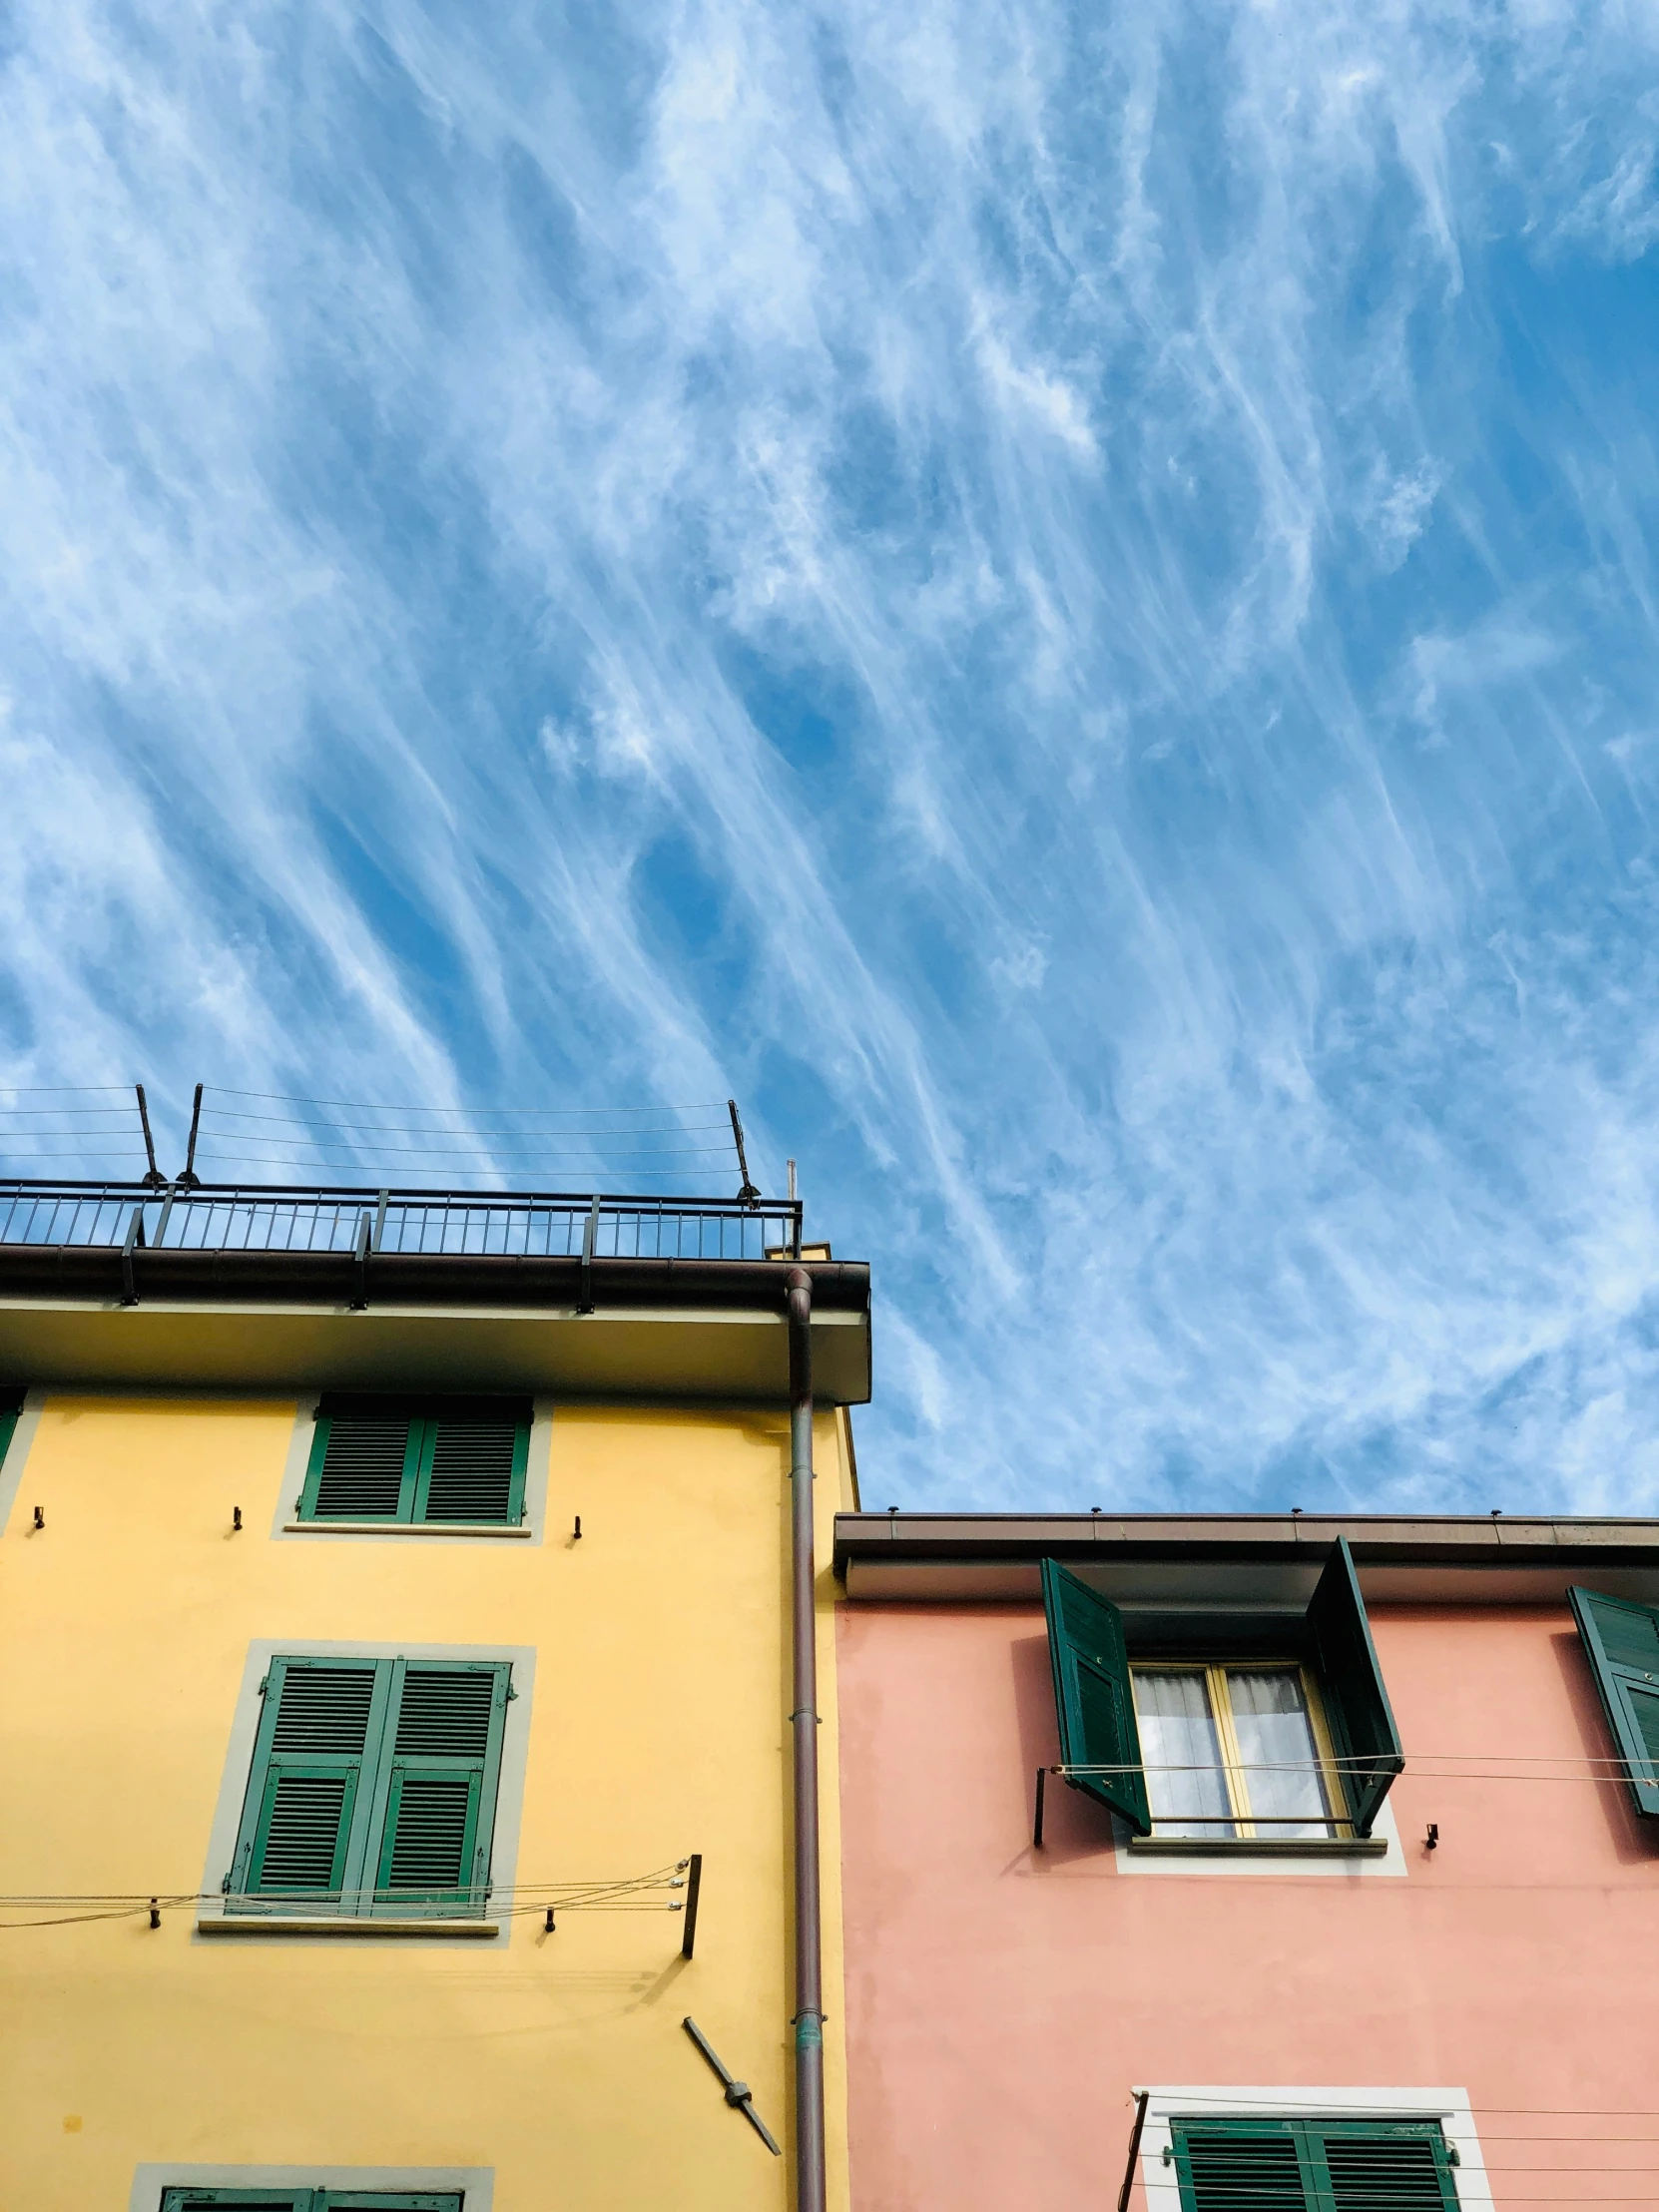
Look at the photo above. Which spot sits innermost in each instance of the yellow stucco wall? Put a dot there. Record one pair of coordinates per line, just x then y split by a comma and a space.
658, 1727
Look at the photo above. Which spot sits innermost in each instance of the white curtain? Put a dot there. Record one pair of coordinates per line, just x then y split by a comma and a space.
1276, 1743
1182, 1752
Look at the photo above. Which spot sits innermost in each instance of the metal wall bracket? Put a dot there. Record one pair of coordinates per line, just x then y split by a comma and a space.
134, 1239
590, 1236
737, 2094
693, 1885
365, 1233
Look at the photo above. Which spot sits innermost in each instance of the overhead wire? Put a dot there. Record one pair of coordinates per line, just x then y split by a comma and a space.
508, 1901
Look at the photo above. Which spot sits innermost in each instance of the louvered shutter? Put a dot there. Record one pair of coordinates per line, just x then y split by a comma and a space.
1242, 2166
1621, 1640
313, 2200
435, 1809
11, 1406
364, 1464
306, 1817
431, 1460
388, 2200
1092, 1699
1355, 1698
473, 1466
247, 2200
1311, 2165
1376, 2169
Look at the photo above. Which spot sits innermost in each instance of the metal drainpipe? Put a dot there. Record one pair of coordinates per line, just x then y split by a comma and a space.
809, 1974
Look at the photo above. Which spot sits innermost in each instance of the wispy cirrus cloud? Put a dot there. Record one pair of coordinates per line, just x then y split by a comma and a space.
1063, 599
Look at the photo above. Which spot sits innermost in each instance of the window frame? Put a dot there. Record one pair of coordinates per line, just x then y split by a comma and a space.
1325, 2102
1245, 1825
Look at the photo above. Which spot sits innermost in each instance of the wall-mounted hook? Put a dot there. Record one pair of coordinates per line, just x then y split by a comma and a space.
1431, 1842
155, 1912
40, 1518
577, 1530
547, 1926
236, 1516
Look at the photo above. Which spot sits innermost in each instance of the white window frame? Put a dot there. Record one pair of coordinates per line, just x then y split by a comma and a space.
1214, 2100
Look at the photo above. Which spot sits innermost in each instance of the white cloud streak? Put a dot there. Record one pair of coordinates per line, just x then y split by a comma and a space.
1060, 598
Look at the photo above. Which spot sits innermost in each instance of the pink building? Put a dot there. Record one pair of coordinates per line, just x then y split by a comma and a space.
1348, 1888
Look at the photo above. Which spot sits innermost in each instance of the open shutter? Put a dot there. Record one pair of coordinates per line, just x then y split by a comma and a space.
1356, 1700
435, 1809
473, 1468
1622, 1641
305, 1819
11, 1404
1093, 1698
365, 1458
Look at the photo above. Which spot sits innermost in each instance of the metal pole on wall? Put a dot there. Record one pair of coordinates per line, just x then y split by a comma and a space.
809, 1974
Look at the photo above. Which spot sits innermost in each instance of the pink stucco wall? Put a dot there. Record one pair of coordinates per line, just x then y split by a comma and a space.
1001, 2003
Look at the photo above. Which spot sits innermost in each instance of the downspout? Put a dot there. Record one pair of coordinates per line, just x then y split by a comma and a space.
809, 1974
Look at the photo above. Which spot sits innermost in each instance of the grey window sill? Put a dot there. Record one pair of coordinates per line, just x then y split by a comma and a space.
1261, 1847
338, 1923
405, 1528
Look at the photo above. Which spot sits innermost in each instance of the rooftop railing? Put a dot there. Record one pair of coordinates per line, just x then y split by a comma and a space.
264, 1217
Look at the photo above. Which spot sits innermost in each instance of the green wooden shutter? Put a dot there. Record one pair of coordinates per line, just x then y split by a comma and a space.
249, 2200
313, 2200
365, 1460
435, 1802
305, 1821
11, 1406
1372, 2167
1622, 1641
407, 1459
1312, 2165
1242, 2166
388, 2200
473, 1468
1093, 1698
1355, 1698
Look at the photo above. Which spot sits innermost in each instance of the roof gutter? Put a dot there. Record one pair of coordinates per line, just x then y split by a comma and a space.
448, 1278
1245, 1559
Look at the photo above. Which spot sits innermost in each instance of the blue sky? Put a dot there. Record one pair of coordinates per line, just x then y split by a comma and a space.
1063, 600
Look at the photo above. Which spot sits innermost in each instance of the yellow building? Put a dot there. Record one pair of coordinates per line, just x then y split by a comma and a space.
400, 1595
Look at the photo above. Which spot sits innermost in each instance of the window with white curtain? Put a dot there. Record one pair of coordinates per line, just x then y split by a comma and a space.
1237, 1749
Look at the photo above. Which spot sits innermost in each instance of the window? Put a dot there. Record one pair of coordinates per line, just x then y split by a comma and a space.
1621, 1640
1277, 1752
1237, 1751
1312, 2165
456, 1461
313, 2200
372, 1787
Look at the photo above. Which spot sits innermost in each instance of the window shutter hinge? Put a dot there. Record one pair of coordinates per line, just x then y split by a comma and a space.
1453, 2158
225, 1887
1169, 2155
265, 1684
511, 1693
